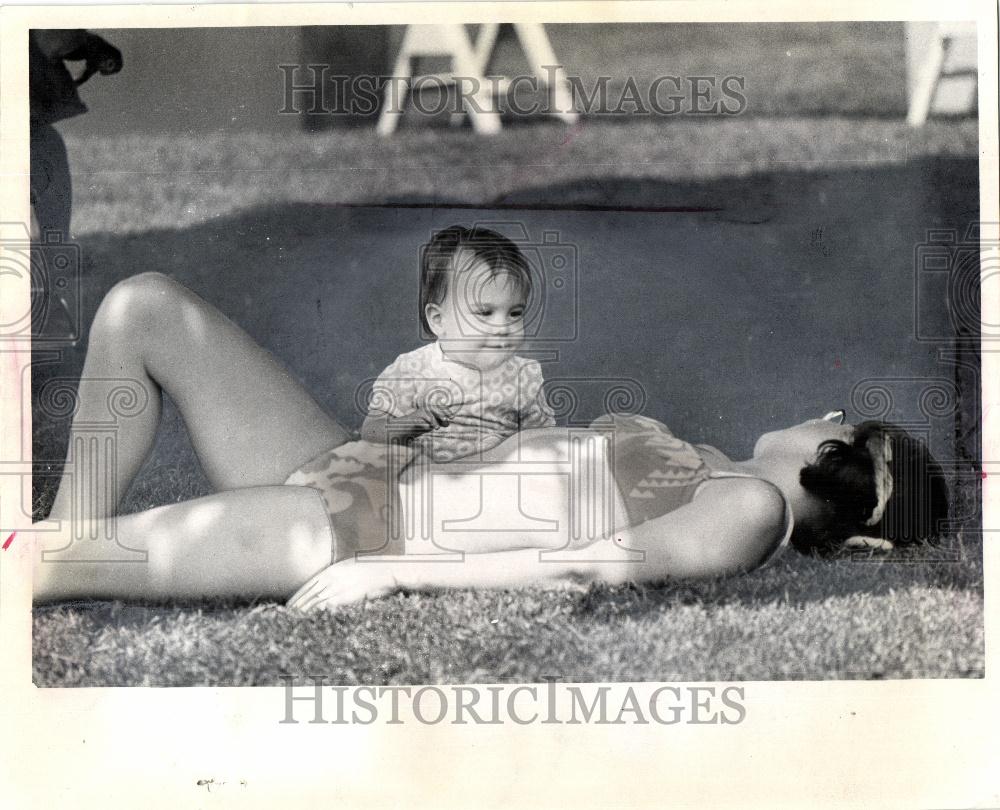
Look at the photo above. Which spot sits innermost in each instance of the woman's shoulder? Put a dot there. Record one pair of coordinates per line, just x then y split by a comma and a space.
758, 505
755, 494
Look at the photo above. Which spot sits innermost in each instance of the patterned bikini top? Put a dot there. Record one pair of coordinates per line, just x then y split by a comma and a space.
656, 472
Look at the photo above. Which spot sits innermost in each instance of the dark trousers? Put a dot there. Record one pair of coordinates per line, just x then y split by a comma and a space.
51, 189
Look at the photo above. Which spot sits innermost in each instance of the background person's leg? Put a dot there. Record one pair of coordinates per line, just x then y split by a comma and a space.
250, 421
51, 187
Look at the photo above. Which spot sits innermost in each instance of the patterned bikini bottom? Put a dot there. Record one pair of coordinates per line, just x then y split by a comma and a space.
358, 482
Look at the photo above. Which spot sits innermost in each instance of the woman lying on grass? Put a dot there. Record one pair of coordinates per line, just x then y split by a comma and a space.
286, 522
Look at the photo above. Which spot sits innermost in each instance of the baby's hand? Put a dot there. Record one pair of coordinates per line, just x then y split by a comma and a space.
436, 409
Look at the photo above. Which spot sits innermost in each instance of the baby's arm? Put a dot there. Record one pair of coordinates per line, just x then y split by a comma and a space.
382, 427
379, 427
536, 411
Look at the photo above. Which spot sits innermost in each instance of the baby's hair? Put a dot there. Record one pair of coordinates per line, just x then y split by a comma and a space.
437, 262
843, 476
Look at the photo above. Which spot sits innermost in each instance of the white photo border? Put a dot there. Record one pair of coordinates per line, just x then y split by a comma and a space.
896, 743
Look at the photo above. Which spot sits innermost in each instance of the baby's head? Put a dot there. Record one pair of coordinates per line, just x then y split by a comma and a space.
475, 285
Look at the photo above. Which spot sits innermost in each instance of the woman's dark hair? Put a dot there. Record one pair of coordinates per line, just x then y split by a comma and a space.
843, 476
437, 261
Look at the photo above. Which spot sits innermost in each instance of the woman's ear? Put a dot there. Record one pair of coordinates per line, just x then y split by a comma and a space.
434, 316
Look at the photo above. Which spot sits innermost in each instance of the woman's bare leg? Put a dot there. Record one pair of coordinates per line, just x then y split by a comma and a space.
250, 421
256, 542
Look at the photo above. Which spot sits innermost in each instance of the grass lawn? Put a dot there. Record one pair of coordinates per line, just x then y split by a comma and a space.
801, 619
913, 614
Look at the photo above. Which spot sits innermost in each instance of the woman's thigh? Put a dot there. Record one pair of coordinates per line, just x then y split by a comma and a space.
250, 420
245, 543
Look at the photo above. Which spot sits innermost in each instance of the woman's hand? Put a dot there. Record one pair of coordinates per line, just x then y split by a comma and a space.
345, 583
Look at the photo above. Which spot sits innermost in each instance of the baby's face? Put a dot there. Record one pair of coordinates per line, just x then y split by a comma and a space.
481, 321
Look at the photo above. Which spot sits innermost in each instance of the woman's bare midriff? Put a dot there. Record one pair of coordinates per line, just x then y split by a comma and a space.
549, 488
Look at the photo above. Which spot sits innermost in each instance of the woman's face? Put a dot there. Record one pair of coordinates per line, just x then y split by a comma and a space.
801, 442
783, 453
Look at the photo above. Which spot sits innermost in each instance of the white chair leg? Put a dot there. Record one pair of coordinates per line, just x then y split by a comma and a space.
469, 60
927, 82
482, 106
485, 43
482, 50
392, 108
542, 59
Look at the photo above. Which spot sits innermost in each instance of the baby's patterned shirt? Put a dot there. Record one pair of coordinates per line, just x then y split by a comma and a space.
485, 407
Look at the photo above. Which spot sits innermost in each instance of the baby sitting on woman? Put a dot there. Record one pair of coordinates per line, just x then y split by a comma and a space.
468, 391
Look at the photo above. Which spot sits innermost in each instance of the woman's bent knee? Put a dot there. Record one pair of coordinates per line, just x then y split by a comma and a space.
135, 302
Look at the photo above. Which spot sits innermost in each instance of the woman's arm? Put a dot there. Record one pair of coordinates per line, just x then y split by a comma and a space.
734, 525
360, 578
